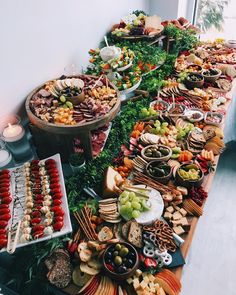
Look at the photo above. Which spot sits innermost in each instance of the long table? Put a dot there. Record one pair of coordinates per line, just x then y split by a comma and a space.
207, 184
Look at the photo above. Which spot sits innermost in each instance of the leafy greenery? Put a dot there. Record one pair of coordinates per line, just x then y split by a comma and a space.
27, 271
184, 39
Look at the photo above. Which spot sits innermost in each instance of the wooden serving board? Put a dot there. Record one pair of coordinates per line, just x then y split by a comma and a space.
207, 186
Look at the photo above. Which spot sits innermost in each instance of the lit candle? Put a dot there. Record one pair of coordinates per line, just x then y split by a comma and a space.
13, 133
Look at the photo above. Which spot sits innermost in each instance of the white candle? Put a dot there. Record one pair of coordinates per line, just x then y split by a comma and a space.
5, 158
13, 133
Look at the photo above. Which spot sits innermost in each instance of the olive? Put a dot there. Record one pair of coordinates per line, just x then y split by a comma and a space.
115, 253
108, 255
129, 263
118, 247
131, 255
122, 269
118, 260
124, 251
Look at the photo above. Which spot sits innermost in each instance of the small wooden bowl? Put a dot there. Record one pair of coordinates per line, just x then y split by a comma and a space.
189, 183
163, 179
126, 275
77, 99
212, 78
194, 84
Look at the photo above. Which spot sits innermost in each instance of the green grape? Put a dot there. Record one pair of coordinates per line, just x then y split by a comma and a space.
135, 214
136, 199
124, 194
123, 200
128, 205
162, 131
165, 124
131, 196
136, 205
123, 210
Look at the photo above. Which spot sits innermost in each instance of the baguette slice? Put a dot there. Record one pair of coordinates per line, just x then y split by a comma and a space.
135, 234
105, 234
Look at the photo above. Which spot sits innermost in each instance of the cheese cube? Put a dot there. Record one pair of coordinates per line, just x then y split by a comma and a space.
183, 221
177, 216
153, 290
178, 230
136, 283
143, 285
146, 279
170, 209
183, 212
151, 277
138, 272
129, 280
167, 215
176, 208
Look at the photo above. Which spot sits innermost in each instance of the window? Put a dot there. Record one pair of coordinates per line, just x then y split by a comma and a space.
216, 18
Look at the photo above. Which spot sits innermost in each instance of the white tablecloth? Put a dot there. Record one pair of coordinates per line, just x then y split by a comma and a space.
230, 124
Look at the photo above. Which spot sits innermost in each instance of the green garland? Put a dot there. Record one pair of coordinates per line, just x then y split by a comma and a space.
27, 271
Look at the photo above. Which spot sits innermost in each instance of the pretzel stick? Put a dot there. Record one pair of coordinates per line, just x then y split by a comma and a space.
81, 223
86, 214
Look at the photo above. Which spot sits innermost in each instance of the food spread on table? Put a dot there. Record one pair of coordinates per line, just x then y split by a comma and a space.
129, 233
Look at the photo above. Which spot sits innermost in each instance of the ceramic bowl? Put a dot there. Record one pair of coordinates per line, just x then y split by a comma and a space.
121, 276
211, 78
160, 159
162, 179
189, 183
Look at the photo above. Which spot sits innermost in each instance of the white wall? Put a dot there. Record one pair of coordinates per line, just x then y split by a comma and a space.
166, 9
39, 38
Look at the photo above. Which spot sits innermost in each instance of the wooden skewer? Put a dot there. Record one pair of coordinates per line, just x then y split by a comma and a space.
12, 249
95, 84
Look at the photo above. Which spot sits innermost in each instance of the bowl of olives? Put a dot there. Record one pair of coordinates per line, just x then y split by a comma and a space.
120, 261
156, 152
194, 80
211, 75
160, 171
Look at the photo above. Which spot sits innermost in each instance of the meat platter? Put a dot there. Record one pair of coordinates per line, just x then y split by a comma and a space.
71, 104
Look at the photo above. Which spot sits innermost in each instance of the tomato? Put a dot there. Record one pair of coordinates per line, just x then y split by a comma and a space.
57, 196
5, 182
4, 177
3, 189
58, 218
35, 220
38, 202
3, 243
54, 179
38, 197
3, 223
6, 200
50, 161
38, 234
56, 190
54, 174
51, 166
59, 213
5, 217
38, 227
58, 225
54, 185
5, 171
34, 162
5, 194
37, 191
55, 208
4, 206
3, 236
36, 213
3, 231
4, 211
52, 171
57, 202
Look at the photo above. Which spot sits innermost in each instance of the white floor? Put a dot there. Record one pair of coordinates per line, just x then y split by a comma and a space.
211, 263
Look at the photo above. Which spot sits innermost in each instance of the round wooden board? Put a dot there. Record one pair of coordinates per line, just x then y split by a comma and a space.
71, 129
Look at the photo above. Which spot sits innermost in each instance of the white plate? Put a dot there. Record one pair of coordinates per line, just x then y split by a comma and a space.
157, 206
67, 228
